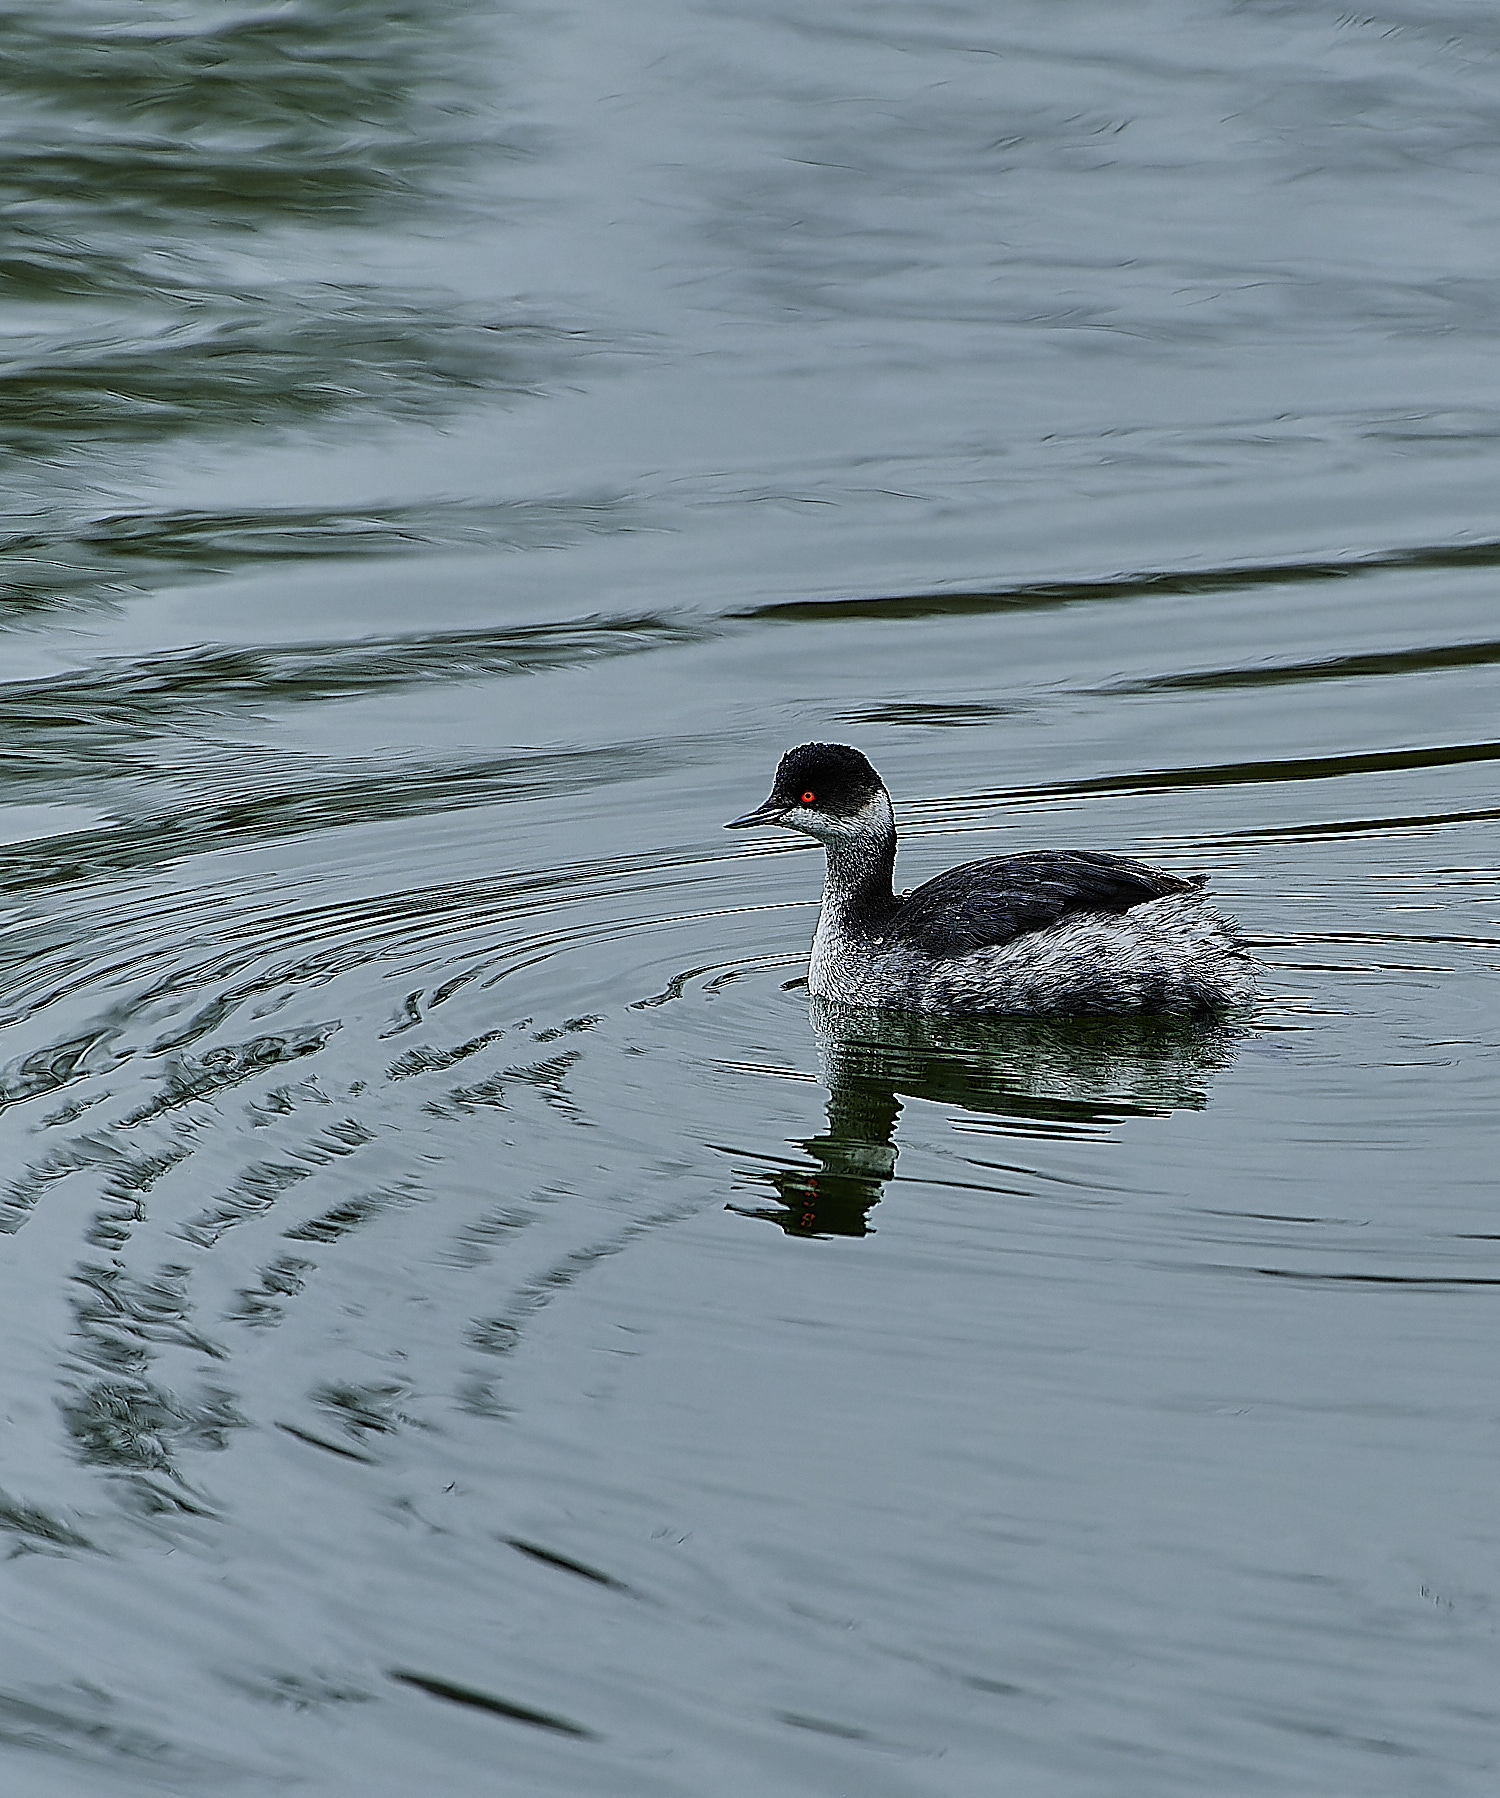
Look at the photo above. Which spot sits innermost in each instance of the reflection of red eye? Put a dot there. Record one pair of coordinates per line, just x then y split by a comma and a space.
807, 798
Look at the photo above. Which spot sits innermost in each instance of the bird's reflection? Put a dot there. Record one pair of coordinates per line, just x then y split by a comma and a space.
1047, 1076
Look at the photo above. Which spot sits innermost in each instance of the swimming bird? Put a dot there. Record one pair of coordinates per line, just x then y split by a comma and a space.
1052, 932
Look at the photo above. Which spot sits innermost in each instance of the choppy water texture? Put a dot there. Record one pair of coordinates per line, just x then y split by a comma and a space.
465, 1326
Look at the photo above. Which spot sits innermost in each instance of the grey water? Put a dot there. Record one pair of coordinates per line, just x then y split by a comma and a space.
467, 1324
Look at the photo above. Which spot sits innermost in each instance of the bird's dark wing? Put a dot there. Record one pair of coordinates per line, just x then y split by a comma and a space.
993, 901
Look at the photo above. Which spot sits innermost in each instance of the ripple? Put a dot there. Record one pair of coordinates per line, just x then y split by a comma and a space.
160, 123
245, 362
1033, 595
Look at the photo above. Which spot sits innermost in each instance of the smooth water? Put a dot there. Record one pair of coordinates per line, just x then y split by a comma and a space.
466, 1326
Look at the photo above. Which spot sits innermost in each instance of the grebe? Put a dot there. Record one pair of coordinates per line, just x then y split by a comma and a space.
1055, 932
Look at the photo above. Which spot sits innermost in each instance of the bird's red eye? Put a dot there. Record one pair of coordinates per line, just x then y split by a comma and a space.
807, 798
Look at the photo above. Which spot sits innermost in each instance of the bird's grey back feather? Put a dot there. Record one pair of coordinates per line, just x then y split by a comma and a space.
985, 902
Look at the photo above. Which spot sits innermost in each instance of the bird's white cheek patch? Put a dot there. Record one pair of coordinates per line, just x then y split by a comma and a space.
873, 818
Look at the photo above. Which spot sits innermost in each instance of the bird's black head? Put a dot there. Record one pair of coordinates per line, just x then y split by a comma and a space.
826, 790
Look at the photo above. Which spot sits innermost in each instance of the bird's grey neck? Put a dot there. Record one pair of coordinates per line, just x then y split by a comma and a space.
860, 867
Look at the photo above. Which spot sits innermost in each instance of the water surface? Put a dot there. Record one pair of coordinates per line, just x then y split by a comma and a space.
466, 1322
